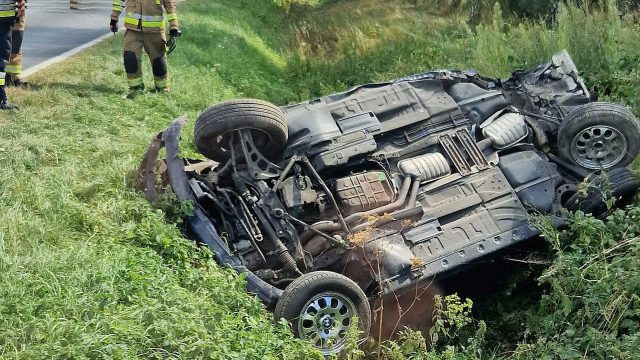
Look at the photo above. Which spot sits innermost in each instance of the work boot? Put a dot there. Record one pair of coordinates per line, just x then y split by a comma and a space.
164, 90
12, 80
5, 105
134, 91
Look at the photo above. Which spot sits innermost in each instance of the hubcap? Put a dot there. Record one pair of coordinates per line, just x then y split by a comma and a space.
598, 147
324, 320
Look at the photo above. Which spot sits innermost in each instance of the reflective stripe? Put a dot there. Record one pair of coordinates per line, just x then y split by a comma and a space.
2, 78
13, 69
132, 18
128, 20
161, 84
133, 15
7, 7
152, 24
117, 5
152, 18
172, 16
148, 21
135, 82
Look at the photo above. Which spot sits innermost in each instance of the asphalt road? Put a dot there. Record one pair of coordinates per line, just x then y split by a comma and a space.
53, 29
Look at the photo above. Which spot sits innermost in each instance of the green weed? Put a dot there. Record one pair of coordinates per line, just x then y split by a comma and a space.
89, 269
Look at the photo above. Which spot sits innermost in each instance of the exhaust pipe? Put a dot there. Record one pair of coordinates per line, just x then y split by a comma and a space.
404, 190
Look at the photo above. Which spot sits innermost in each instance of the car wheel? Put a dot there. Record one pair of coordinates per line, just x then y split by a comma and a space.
619, 184
321, 306
265, 120
600, 136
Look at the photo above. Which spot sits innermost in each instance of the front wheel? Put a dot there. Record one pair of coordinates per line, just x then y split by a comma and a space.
599, 136
321, 306
215, 126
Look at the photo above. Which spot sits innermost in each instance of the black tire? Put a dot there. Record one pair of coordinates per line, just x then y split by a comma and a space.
267, 122
298, 298
619, 184
600, 129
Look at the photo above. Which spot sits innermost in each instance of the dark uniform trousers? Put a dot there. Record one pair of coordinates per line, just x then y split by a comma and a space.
5, 53
14, 68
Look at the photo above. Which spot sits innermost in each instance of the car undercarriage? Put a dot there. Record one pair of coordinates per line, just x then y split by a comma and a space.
332, 202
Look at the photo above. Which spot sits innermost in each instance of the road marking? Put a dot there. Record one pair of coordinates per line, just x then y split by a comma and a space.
64, 56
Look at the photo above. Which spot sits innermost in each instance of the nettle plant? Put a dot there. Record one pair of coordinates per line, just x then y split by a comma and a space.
591, 306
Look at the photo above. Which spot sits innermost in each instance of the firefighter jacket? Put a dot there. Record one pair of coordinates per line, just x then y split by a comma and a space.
9, 10
147, 16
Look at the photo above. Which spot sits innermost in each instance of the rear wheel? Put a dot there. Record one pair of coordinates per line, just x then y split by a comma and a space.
321, 307
620, 185
600, 136
216, 124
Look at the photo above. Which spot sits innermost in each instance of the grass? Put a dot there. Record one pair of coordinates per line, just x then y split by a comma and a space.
88, 269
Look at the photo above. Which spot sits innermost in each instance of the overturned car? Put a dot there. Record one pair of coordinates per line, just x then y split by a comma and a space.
330, 203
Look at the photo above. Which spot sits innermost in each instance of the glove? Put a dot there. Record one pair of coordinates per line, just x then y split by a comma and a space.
113, 25
171, 43
21, 5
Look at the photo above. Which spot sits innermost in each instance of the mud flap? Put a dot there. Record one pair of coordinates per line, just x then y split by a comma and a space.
199, 226
171, 170
150, 168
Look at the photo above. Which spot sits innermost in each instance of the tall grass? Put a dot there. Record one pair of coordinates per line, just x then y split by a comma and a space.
383, 40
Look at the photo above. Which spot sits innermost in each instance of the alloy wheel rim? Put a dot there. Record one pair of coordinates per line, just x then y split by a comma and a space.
325, 319
599, 147
260, 138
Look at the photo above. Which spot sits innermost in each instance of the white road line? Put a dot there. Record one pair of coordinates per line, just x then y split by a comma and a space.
64, 56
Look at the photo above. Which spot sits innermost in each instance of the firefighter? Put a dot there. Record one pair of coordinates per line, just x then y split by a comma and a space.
9, 11
14, 68
144, 21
